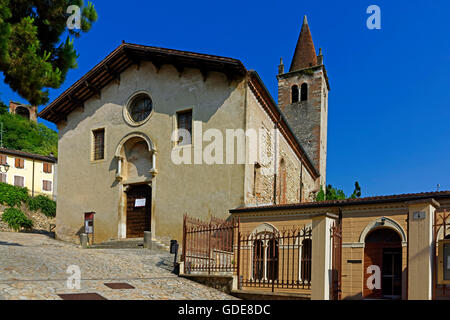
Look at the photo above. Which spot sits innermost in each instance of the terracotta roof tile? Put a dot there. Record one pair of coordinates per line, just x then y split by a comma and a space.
348, 202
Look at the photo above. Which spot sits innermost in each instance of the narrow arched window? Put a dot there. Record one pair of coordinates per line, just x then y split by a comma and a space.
294, 94
306, 260
304, 92
258, 260
272, 259
283, 182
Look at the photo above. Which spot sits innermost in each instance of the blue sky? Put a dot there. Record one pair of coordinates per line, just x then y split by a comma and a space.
390, 90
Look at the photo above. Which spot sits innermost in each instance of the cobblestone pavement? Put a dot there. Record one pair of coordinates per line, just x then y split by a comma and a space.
33, 266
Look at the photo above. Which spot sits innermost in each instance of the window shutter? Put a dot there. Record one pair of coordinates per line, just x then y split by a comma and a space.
3, 159
3, 177
46, 185
18, 181
47, 167
19, 163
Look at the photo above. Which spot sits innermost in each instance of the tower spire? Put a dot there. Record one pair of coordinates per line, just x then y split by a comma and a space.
305, 53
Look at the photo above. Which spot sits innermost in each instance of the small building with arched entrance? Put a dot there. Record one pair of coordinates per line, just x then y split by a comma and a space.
387, 247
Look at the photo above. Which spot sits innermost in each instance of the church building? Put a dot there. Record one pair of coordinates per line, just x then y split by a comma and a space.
122, 122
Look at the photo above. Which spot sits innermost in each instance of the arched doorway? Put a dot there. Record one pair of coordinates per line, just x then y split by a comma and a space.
383, 250
138, 210
23, 112
135, 155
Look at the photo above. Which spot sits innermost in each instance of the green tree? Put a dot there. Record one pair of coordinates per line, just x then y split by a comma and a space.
332, 193
3, 108
357, 192
32, 55
21, 134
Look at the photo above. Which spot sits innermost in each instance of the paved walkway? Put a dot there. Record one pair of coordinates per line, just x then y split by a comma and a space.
34, 266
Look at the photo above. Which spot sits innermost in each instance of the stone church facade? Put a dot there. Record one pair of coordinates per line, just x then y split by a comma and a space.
121, 123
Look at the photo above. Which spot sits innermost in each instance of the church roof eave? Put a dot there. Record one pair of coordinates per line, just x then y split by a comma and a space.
123, 57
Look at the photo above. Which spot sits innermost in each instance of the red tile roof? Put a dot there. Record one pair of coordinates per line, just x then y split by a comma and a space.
305, 53
348, 202
28, 155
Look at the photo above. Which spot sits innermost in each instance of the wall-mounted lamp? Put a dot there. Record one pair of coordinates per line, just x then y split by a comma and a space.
5, 167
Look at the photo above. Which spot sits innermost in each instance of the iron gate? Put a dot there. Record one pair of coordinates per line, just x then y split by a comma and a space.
277, 261
440, 291
336, 268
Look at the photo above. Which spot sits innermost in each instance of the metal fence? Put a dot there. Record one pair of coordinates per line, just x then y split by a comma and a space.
441, 231
275, 260
336, 266
208, 247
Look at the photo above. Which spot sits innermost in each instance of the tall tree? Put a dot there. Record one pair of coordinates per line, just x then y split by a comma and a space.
32, 55
332, 193
357, 192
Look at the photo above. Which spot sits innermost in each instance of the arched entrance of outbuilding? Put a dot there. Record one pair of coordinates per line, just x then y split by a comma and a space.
383, 264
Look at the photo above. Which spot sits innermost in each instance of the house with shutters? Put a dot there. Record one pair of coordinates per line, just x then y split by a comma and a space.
35, 172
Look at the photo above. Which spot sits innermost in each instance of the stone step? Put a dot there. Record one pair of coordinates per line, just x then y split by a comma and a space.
120, 244
136, 243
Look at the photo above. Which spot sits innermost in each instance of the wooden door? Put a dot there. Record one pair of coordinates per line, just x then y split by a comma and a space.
373, 256
138, 210
383, 249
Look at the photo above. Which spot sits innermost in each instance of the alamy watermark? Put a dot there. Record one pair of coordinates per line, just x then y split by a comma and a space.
374, 280
74, 280
374, 20
74, 20
231, 146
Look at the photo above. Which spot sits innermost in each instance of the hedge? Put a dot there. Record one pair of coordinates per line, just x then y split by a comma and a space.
12, 196
47, 206
16, 219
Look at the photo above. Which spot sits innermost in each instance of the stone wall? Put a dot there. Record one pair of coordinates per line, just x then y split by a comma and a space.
41, 224
260, 182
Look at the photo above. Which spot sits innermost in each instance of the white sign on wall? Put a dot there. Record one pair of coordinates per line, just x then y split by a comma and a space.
419, 215
139, 203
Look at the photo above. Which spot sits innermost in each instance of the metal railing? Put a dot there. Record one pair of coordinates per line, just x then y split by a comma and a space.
275, 260
208, 247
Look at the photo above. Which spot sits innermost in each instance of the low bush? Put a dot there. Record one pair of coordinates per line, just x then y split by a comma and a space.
12, 196
45, 204
16, 219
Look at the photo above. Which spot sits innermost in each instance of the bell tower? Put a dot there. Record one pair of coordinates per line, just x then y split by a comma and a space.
303, 99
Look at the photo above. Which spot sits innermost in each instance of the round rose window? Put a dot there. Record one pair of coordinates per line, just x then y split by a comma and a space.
140, 108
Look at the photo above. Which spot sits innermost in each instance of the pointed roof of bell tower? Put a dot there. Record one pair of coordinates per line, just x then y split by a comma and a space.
305, 53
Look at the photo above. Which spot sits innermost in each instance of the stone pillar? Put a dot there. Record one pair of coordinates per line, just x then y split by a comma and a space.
147, 239
321, 256
420, 257
84, 240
